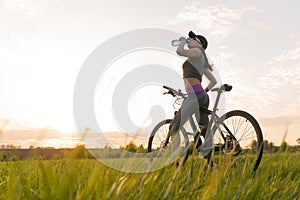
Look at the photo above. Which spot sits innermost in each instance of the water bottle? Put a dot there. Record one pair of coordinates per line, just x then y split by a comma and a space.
177, 42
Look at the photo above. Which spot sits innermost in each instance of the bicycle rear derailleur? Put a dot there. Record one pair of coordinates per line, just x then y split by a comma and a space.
231, 146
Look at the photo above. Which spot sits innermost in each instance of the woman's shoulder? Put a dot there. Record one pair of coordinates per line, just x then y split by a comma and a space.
196, 52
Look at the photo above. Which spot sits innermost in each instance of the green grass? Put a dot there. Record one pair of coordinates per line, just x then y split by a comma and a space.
278, 177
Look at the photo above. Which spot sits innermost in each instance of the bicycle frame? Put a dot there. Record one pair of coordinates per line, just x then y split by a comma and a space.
220, 128
214, 120
214, 117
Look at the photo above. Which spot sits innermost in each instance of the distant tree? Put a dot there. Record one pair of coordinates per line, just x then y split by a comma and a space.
272, 147
80, 152
254, 145
10, 146
44, 148
141, 149
266, 146
131, 147
298, 140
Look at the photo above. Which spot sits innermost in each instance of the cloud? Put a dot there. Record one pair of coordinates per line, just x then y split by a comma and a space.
260, 25
295, 37
217, 20
268, 90
291, 55
29, 9
222, 55
20, 5
279, 83
287, 65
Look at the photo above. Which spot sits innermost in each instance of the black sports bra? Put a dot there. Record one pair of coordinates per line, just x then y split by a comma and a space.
195, 67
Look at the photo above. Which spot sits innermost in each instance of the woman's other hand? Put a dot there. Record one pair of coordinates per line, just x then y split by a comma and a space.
182, 40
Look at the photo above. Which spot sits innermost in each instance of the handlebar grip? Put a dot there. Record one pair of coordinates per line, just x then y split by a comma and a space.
166, 87
171, 91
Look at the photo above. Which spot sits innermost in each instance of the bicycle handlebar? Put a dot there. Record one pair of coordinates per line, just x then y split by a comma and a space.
224, 87
173, 92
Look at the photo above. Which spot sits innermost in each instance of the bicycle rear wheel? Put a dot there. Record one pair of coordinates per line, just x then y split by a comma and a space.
160, 139
238, 133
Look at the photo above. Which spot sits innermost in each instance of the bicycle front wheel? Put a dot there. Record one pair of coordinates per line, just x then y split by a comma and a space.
160, 138
238, 133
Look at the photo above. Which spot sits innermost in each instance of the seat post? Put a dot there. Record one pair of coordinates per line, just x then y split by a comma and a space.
217, 102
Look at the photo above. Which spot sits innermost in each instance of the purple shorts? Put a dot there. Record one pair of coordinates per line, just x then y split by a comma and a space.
195, 88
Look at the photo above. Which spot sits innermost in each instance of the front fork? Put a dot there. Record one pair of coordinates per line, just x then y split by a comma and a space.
166, 142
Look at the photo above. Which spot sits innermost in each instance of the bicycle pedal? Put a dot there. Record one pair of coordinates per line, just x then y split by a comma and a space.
218, 148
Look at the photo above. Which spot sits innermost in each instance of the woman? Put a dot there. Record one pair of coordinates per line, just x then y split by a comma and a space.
193, 69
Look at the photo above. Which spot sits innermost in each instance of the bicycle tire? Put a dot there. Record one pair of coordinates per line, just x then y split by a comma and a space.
247, 143
157, 140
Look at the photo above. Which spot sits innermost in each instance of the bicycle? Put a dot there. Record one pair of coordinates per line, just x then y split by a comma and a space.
235, 133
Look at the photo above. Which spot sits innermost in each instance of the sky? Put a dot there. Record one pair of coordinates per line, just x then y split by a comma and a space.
255, 46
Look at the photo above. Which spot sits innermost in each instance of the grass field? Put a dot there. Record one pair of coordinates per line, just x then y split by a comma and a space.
278, 177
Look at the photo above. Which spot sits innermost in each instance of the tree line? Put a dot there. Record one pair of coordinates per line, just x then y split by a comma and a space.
11, 152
